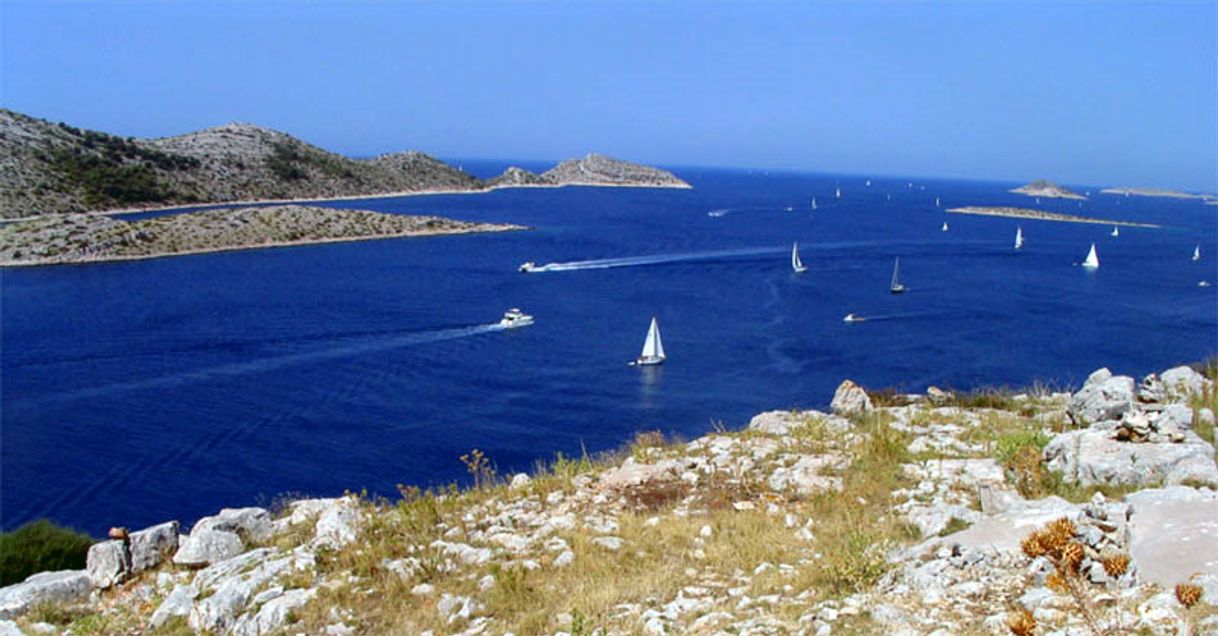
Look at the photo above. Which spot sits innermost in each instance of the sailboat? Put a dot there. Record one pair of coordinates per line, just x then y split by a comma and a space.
813, 203
896, 287
869, 183
1116, 231
1018, 237
653, 347
1093, 259
937, 202
944, 228
1197, 253
797, 264
838, 194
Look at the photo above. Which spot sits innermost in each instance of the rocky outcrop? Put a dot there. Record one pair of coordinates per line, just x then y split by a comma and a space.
1045, 188
68, 586
77, 238
850, 399
515, 177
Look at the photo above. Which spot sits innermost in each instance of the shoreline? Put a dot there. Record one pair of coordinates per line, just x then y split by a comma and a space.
484, 229
1040, 215
356, 197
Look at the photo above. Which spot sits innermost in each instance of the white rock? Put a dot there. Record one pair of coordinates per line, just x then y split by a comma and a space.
520, 481
64, 586
1103, 397
423, 589
486, 583
1092, 456
1183, 381
9, 628
849, 399
564, 559
338, 525
178, 603
273, 614
107, 563
612, 544
151, 546
207, 546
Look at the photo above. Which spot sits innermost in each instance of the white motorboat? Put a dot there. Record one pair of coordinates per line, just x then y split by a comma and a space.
653, 347
853, 318
797, 264
513, 318
528, 266
1093, 259
896, 287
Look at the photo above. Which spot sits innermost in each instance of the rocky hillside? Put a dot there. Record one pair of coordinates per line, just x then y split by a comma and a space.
1044, 188
48, 168
987, 513
78, 238
592, 170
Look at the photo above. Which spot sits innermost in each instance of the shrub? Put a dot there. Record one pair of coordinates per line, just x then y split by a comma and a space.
40, 546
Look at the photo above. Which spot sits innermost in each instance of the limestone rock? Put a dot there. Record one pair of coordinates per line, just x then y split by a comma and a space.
107, 563
339, 524
1103, 397
178, 603
1093, 456
1184, 381
9, 628
206, 547
152, 545
273, 614
64, 586
251, 524
1174, 533
850, 399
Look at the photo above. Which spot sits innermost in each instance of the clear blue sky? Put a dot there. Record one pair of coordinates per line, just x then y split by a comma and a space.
1085, 93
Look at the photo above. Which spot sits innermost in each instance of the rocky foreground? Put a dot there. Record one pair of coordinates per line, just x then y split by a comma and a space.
1038, 513
48, 168
84, 238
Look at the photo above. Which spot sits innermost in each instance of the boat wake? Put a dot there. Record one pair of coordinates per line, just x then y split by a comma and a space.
657, 259
721, 212
262, 365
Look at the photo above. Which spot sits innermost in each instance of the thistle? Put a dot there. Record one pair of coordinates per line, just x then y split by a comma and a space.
1072, 556
1188, 594
1021, 623
1116, 565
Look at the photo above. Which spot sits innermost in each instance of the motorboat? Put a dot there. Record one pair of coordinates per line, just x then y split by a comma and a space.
513, 318
528, 266
853, 318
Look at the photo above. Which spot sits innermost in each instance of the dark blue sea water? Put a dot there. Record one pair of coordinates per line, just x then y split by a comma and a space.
143, 391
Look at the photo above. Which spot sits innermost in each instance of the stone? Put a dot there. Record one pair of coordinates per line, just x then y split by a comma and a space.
64, 586
809, 474
251, 524
613, 544
273, 614
151, 546
521, 480
937, 396
107, 563
1092, 456
206, 547
9, 628
339, 524
423, 589
1174, 532
1184, 381
1151, 390
850, 399
1103, 397
178, 603
631, 474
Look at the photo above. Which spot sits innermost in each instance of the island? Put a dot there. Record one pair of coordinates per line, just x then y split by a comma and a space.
1045, 188
1041, 215
55, 168
83, 238
1157, 192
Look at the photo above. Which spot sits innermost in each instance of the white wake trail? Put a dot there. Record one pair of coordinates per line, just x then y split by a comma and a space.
656, 259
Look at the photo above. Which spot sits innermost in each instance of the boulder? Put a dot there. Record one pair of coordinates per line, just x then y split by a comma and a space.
178, 603
9, 628
1184, 381
65, 586
1174, 533
937, 396
273, 614
1152, 391
1093, 456
1103, 397
339, 524
150, 546
251, 524
631, 473
850, 399
205, 547
107, 563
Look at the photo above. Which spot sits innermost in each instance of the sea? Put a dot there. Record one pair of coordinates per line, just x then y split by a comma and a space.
143, 391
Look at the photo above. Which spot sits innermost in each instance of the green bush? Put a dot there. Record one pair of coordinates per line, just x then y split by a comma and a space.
40, 546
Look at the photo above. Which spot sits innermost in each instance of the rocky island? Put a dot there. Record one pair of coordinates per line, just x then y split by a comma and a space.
1041, 215
81, 238
1157, 192
48, 168
1048, 189
990, 512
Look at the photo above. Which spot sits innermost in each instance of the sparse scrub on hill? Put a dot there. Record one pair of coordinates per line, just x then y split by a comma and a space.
40, 546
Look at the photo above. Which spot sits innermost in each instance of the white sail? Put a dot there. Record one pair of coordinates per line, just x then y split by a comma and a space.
1018, 237
813, 203
1116, 231
653, 347
838, 194
797, 264
1197, 253
869, 183
944, 228
1093, 259
896, 285
937, 202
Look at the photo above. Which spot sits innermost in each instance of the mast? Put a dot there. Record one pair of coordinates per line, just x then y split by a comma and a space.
896, 266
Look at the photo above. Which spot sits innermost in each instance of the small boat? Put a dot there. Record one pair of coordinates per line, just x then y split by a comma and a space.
528, 266
853, 318
797, 264
869, 183
889, 197
1197, 253
513, 318
944, 228
1116, 231
813, 203
790, 208
653, 347
1018, 238
1204, 283
937, 202
838, 193
1093, 259
896, 287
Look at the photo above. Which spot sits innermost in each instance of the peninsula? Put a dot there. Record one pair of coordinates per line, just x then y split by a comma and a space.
49, 168
1048, 189
1157, 192
1041, 215
83, 238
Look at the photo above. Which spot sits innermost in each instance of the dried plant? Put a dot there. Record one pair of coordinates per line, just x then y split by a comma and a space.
1072, 556
1188, 594
1115, 565
1021, 623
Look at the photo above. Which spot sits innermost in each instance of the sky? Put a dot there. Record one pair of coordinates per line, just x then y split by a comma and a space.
1080, 92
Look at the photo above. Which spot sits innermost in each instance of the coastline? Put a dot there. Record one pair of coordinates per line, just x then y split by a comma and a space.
1040, 215
357, 197
482, 229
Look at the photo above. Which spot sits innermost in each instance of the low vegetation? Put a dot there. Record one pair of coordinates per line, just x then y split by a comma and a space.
40, 546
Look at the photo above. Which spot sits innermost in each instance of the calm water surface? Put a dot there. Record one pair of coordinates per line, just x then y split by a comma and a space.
144, 391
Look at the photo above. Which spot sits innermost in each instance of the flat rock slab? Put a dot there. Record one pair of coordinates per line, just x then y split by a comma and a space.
1003, 532
1174, 534
65, 586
